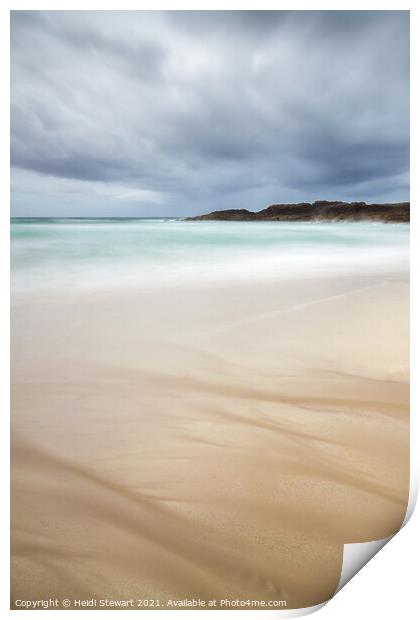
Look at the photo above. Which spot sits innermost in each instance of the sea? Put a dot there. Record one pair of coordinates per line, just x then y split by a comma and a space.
91, 254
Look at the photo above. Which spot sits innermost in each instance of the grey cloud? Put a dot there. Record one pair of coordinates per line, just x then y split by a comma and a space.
208, 109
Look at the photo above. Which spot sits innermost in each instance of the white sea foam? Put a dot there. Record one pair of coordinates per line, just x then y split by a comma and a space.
100, 254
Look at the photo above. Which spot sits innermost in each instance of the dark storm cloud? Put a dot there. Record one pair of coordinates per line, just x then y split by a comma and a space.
179, 112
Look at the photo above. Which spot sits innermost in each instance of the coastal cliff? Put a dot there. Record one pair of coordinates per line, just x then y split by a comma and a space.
321, 210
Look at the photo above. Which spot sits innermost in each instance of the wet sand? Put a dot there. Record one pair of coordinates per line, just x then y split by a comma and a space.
205, 441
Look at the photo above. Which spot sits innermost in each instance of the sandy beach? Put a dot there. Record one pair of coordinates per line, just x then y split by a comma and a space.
207, 441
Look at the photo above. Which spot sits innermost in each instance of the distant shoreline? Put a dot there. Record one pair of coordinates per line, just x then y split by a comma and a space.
321, 210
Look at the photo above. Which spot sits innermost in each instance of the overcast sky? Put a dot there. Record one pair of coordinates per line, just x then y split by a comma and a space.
172, 113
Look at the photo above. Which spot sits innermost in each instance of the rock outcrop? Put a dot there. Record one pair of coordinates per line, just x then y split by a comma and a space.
320, 210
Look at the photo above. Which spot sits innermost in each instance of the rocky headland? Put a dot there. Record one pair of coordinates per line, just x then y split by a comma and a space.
320, 210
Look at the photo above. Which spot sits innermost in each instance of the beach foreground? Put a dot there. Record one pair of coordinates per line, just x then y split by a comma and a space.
207, 441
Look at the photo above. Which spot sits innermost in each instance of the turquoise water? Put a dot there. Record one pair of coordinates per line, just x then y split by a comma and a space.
69, 253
